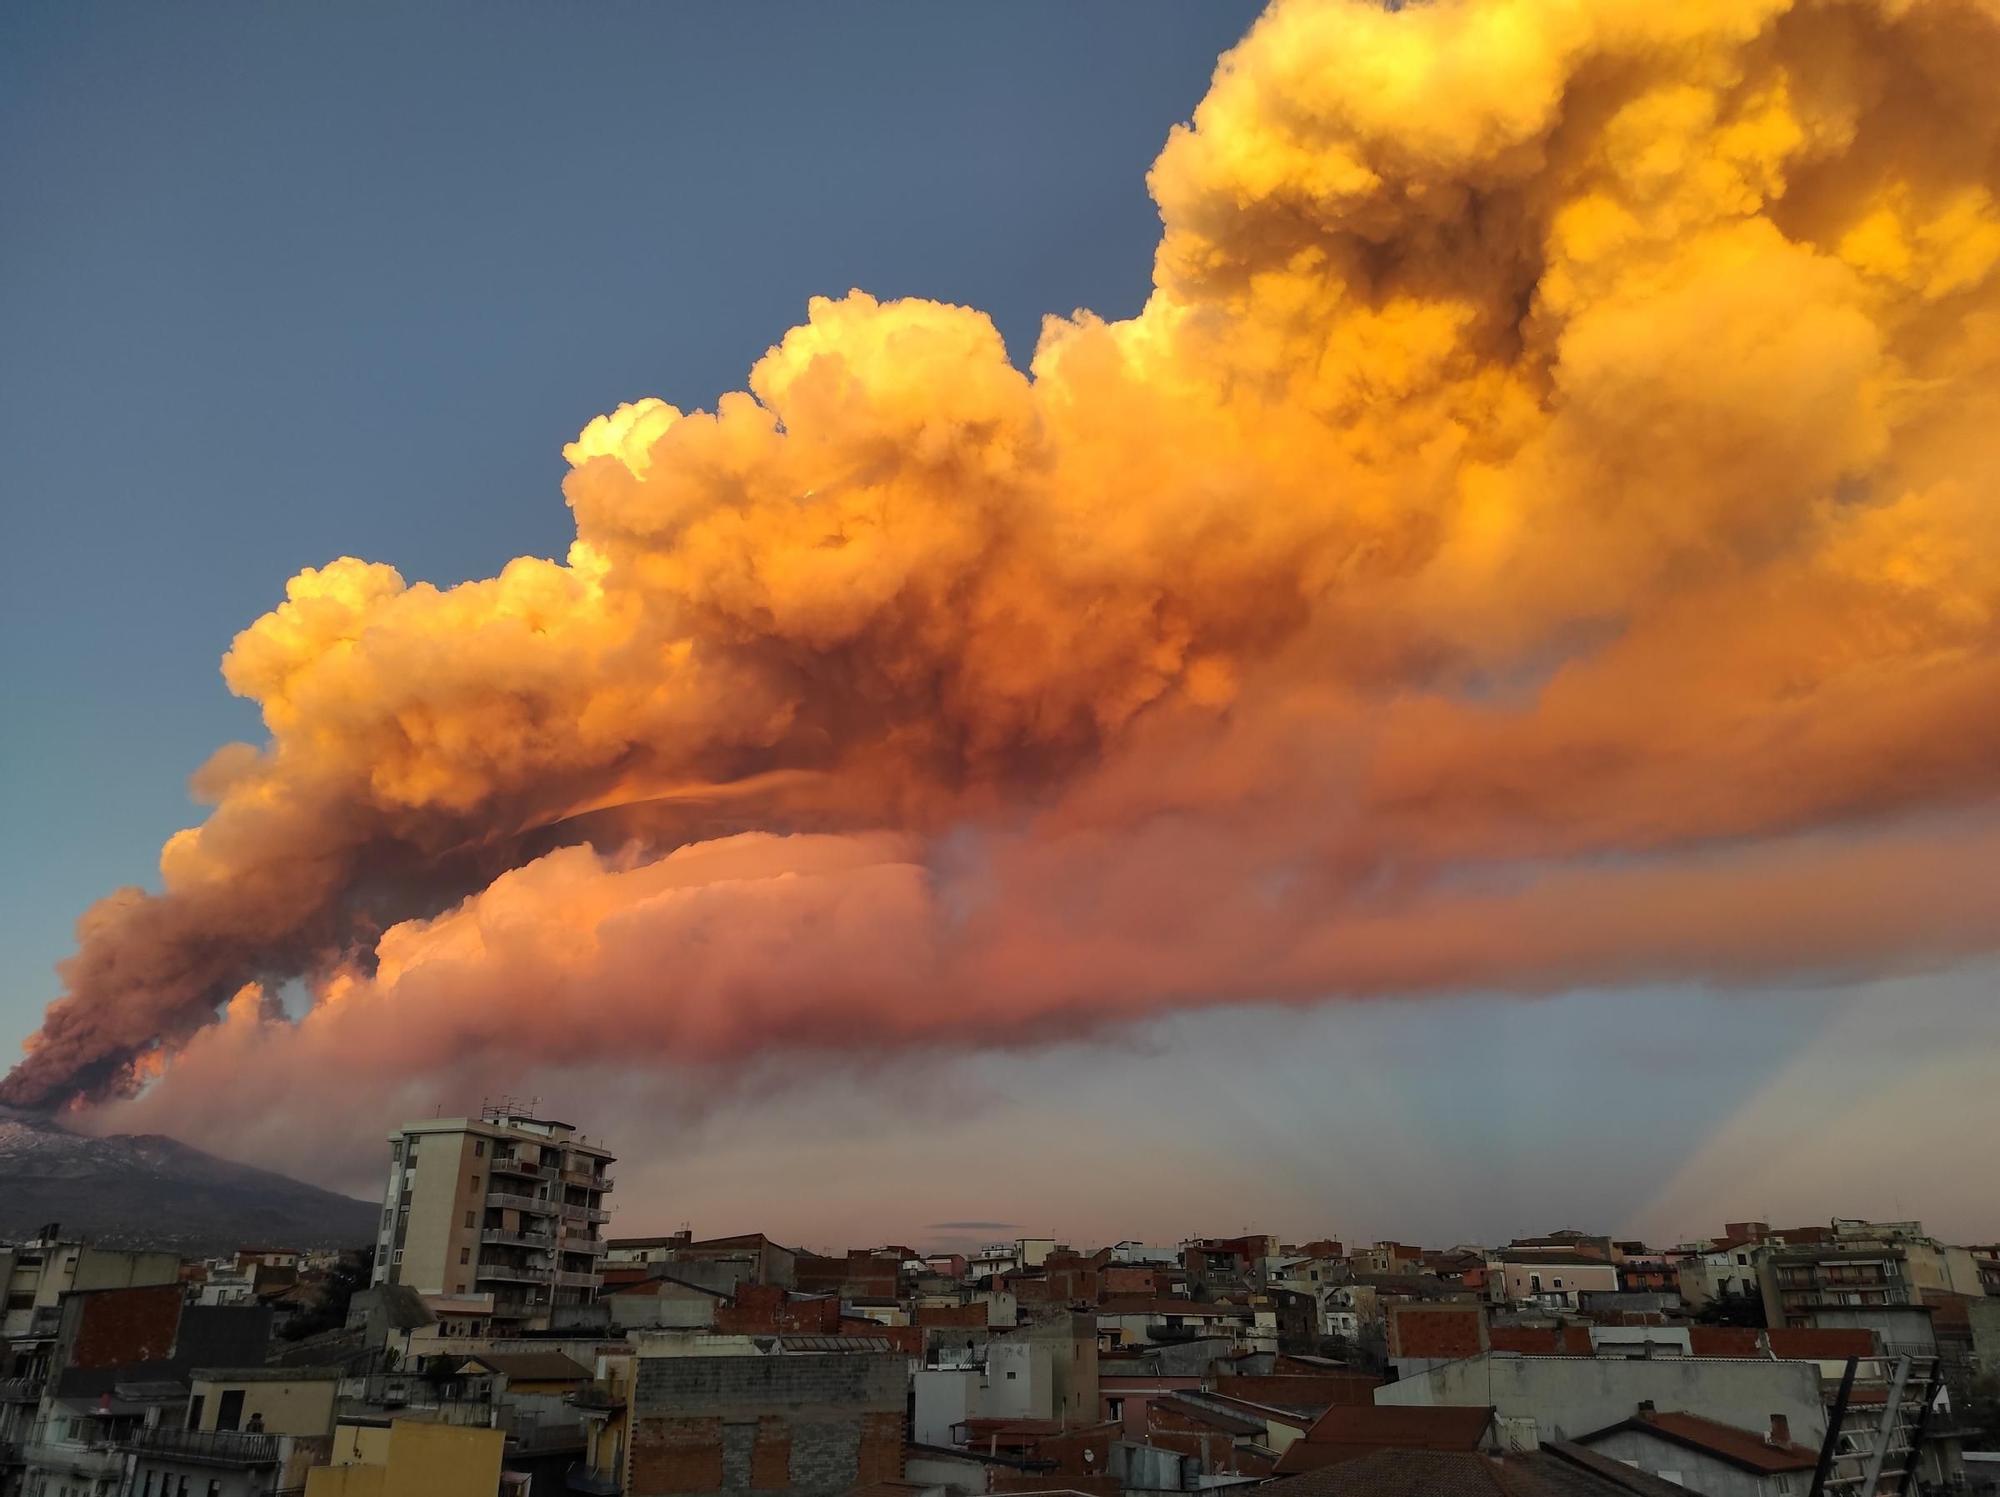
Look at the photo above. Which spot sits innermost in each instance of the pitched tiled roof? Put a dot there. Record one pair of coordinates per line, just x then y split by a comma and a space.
1742, 1448
1556, 1470
1122, 1305
1794, 1343
1203, 1413
1343, 1432
1541, 1341
531, 1366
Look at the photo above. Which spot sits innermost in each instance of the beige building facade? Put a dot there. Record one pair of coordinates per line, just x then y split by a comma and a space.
505, 1209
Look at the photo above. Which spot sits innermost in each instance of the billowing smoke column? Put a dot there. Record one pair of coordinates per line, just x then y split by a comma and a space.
1540, 530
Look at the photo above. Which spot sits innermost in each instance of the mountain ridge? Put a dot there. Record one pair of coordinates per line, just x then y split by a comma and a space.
147, 1189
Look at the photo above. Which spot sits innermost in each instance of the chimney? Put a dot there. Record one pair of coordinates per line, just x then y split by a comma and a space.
1781, 1431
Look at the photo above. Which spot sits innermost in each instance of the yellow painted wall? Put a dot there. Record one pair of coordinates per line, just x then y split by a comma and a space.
301, 1408
416, 1460
346, 1481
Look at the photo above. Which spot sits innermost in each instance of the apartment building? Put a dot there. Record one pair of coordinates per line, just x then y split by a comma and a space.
505, 1209
1861, 1263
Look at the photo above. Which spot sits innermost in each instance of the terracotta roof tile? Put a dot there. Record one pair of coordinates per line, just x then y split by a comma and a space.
1742, 1448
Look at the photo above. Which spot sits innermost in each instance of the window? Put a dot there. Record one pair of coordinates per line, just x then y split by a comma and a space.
471, 1217
1743, 1260
215, 1486
1559, 1283
397, 1256
464, 1256
148, 1492
1011, 1374
395, 1153
475, 1185
181, 1488
194, 1422
458, 1289
229, 1410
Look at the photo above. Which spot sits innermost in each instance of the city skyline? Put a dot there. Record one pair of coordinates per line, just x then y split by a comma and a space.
1438, 837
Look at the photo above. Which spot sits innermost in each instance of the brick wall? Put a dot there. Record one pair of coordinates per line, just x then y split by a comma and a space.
116, 1327
676, 1455
799, 1426
768, 1309
1444, 1332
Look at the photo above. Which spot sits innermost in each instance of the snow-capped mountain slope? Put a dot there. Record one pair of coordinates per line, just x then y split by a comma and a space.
145, 1189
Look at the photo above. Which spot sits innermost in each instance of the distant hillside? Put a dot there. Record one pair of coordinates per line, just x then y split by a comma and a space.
145, 1190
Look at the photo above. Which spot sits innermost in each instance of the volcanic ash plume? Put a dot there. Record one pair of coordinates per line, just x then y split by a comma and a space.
1540, 530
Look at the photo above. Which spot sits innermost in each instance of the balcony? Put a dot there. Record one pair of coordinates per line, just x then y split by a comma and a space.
521, 1203
535, 1240
524, 1169
207, 1447
20, 1390
589, 1179
77, 1458
507, 1273
529, 1436
598, 1398
577, 1280
592, 1247
518, 1309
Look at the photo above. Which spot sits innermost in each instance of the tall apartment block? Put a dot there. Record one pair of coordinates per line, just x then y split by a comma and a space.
505, 1208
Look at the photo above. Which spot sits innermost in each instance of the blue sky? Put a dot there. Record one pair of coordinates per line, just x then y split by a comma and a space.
279, 284
283, 284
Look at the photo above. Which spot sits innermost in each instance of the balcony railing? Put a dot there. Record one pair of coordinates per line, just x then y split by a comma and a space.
507, 1273
534, 1435
521, 1203
208, 1447
577, 1280
20, 1390
536, 1240
597, 1398
593, 1247
97, 1454
503, 1165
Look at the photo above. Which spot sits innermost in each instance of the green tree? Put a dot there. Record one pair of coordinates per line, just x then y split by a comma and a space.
351, 1272
1732, 1308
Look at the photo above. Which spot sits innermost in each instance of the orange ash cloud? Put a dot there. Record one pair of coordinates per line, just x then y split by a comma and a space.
1539, 530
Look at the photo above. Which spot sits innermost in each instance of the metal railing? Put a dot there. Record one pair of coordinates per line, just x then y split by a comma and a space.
522, 1167
208, 1447
527, 1435
577, 1280
540, 1241
521, 1203
600, 1397
20, 1390
592, 1247
507, 1273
